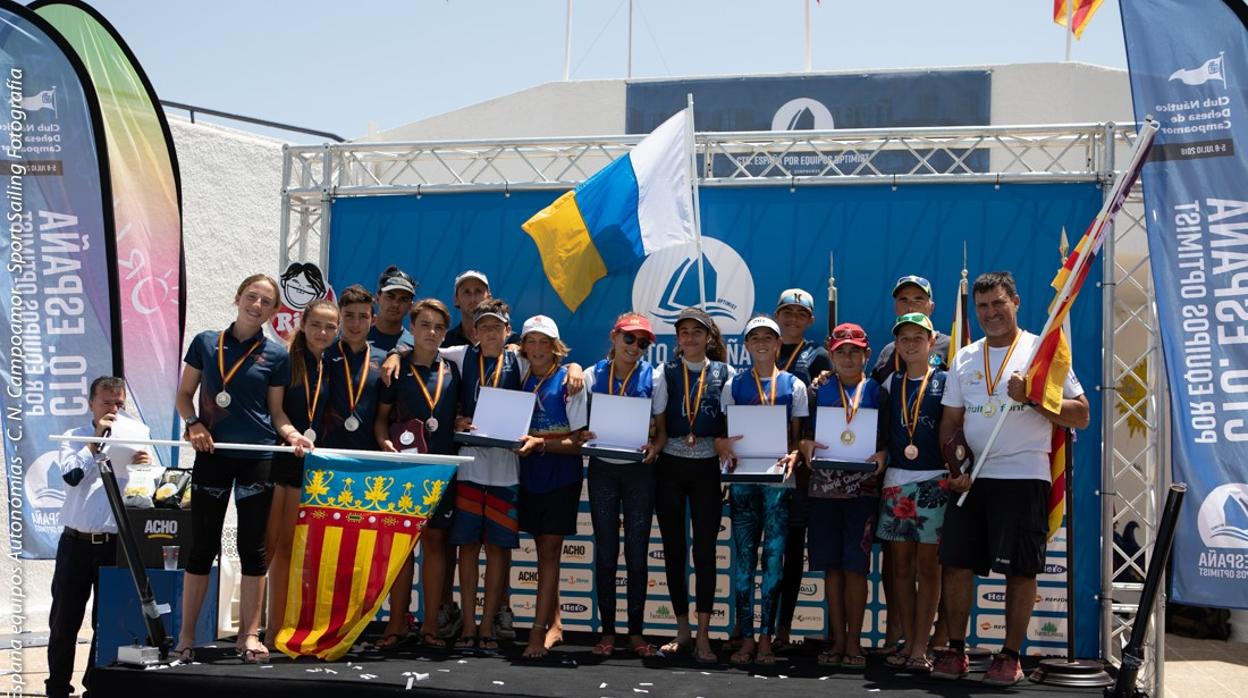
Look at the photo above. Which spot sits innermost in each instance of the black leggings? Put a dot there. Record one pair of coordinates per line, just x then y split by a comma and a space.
212, 479
696, 481
794, 565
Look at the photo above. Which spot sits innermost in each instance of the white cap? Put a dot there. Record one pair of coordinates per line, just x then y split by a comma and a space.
760, 321
471, 274
544, 325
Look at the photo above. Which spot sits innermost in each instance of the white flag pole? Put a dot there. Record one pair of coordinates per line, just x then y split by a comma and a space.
697, 214
567, 43
1070, 26
808, 61
425, 458
1108, 209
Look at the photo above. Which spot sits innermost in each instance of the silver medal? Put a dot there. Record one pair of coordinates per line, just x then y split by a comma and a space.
310, 435
223, 399
407, 438
351, 423
431, 424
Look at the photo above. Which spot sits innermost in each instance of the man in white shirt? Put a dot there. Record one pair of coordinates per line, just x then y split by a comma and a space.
89, 540
1003, 525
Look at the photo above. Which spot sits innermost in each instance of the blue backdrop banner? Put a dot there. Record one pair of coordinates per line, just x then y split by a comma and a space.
59, 280
1188, 61
759, 241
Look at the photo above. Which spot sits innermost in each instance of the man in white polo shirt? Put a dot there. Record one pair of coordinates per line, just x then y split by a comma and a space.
1003, 525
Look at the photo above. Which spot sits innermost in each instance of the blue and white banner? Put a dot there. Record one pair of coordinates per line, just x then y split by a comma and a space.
1189, 62
58, 283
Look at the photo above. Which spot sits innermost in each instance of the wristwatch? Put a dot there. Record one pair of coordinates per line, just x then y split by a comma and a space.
190, 422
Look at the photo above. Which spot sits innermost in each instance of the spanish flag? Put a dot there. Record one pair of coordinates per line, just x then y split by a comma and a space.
960, 333
1080, 14
359, 520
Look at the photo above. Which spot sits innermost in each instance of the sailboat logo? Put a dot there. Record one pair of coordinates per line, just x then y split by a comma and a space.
1223, 517
668, 282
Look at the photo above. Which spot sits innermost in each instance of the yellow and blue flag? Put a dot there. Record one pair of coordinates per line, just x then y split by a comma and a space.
640, 203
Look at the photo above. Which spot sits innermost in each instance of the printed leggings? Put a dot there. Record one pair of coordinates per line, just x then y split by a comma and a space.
212, 479
613, 486
759, 513
693, 481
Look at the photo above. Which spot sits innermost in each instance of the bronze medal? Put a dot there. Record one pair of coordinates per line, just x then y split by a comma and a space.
911, 452
848, 438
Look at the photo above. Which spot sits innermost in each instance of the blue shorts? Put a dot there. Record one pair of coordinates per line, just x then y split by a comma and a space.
841, 532
485, 514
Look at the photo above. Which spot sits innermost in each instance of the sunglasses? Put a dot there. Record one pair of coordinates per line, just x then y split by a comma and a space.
631, 339
849, 334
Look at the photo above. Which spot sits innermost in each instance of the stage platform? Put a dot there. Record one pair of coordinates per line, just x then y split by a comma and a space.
572, 671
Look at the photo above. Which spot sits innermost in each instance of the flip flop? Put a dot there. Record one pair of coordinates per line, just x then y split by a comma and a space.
645, 651
765, 658
855, 662
467, 642
830, 658
603, 649
705, 657
487, 643
741, 657
676, 647
919, 665
390, 641
896, 661
433, 642
186, 654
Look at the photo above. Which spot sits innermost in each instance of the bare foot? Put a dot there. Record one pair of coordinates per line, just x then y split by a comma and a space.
554, 635
534, 650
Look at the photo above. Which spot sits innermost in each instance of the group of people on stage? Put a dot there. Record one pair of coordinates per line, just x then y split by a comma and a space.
352, 370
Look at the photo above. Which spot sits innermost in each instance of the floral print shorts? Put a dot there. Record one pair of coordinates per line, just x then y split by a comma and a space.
914, 511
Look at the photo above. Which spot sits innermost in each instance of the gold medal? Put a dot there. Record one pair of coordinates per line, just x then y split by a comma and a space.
848, 438
851, 409
959, 452
223, 399
691, 408
990, 408
911, 452
993, 405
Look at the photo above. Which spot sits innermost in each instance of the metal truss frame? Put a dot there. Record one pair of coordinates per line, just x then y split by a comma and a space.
1132, 385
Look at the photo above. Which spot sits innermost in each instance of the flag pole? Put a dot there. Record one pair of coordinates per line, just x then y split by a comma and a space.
831, 292
422, 458
567, 42
1113, 202
808, 61
697, 213
1070, 26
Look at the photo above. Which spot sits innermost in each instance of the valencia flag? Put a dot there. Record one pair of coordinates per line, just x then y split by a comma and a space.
359, 520
1080, 14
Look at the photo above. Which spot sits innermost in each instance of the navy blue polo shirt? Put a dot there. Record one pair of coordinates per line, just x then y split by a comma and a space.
926, 428
509, 376
811, 359
343, 366
386, 342
409, 401
247, 419
298, 396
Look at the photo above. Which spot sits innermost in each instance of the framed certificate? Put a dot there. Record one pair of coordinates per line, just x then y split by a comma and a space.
500, 420
764, 432
620, 425
848, 445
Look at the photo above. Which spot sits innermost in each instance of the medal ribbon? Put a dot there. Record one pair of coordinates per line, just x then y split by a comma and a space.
437, 395
689, 407
759, 384
793, 357
911, 423
624, 385
851, 406
994, 382
498, 369
307, 391
551, 372
354, 393
227, 377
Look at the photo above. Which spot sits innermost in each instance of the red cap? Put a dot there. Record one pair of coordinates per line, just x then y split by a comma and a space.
634, 323
847, 333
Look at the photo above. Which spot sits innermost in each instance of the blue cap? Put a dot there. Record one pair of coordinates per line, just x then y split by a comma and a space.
913, 281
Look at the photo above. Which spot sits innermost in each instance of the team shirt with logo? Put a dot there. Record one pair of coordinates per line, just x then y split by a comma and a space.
598, 379
555, 414
340, 362
1021, 451
410, 403
930, 463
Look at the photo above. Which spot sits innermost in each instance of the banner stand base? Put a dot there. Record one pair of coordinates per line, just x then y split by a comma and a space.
1072, 673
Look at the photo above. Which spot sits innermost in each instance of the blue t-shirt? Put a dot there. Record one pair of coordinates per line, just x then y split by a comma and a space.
640, 383
246, 420
554, 415
809, 362
410, 403
343, 368
295, 402
508, 377
386, 342
926, 428
844, 484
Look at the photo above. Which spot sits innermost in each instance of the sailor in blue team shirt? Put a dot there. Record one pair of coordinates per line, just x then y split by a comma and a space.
352, 374
761, 512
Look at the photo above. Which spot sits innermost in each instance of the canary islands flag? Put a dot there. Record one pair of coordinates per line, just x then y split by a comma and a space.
359, 520
640, 203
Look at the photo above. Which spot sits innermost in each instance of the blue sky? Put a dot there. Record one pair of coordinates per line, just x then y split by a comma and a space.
337, 66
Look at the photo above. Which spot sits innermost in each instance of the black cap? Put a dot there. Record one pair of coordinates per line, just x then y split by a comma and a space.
698, 315
395, 279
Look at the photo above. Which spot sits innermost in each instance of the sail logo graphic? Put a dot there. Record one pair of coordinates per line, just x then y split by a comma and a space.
1223, 517
803, 114
1212, 69
667, 283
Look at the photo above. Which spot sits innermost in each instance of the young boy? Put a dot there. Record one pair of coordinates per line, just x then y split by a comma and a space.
844, 503
915, 493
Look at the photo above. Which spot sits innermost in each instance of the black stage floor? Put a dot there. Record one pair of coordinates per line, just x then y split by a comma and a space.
572, 671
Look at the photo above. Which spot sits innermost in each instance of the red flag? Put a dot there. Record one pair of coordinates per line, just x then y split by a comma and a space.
1081, 14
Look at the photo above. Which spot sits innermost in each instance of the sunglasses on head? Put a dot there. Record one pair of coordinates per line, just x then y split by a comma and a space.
849, 334
630, 339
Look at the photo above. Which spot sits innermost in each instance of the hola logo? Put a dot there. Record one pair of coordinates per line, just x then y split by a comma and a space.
667, 283
1223, 517
803, 113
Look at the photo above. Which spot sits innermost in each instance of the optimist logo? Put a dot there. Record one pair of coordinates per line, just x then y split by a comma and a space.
1223, 517
803, 113
667, 283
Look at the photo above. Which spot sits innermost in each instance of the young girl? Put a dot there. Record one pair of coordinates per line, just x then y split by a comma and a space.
304, 406
688, 389
241, 378
844, 503
550, 467
761, 512
427, 389
616, 484
915, 493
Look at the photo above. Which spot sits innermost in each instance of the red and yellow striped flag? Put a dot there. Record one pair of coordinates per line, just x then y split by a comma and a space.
1057, 472
1080, 14
359, 520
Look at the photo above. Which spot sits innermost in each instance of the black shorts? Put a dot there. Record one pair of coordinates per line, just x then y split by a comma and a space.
443, 517
550, 513
1003, 527
286, 470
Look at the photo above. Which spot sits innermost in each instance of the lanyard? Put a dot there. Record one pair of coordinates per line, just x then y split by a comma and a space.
498, 369
437, 395
227, 377
908, 420
623, 385
307, 390
789, 364
993, 382
354, 393
551, 372
763, 400
690, 414
851, 406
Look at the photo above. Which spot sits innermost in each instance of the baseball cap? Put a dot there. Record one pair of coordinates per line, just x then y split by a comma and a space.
471, 274
761, 321
848, 333
697, 315
395, 279
914, 319
912, 280
480, 314
634, 323
798, 297
541, 324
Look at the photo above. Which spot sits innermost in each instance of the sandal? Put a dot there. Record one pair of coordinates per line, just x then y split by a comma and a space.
897, 661
676, 646
891, 648
433, 642
830, 658
765, 658
466, 642
390, 641
919, 665
184, 654
854, 662
705, 657
252, 655
644, 650
603, 649
742, 657
487, 643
